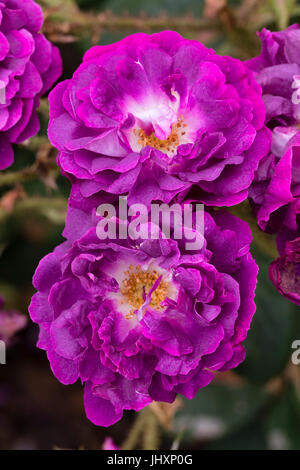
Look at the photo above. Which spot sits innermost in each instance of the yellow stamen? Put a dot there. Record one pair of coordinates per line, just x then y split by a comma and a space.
137, 284
168, 145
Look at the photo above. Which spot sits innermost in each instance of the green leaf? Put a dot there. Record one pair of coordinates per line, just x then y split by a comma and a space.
283, 422
218, 410
252, 437
274, 327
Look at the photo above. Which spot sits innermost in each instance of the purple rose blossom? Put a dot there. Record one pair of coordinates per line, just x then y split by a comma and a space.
11, 322
154, 115
144, 320
275, 192
30, 65
277, 70
285, 271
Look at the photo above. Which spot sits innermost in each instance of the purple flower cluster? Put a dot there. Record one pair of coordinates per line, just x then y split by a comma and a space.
152, 116
30, 65
144, 320
138, 320
275, 193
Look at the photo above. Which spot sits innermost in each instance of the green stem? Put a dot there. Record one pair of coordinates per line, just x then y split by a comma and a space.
185, 23
41, 204
145, 431
136, 431
151, 431
12, 178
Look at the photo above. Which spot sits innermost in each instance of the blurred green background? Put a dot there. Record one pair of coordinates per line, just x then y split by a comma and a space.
257, 406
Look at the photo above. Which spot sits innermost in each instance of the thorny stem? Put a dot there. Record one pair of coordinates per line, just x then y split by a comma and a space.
109, 21
12, 178
186, 23
60, 26
41, 204
52, 208
35, 145
65, 22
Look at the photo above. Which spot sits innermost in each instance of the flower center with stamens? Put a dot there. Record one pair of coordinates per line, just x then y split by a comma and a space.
169, 146
136, 285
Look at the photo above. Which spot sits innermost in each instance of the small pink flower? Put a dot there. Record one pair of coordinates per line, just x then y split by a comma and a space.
109, 444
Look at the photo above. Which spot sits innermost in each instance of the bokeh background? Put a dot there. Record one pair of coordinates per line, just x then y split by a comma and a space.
255, 407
